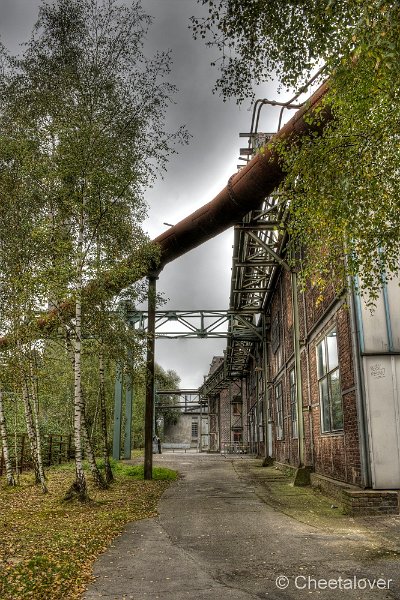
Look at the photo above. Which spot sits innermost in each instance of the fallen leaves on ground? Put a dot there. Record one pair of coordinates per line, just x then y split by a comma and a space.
47, 546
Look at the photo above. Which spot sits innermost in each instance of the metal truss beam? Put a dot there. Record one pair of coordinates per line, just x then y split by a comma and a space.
256, 257
177, 324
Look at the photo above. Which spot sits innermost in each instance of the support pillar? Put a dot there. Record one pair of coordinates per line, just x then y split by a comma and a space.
128, 418
200, 426
116, 452
150, 369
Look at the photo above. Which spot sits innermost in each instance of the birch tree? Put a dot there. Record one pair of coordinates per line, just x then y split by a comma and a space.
4, 445
91, 109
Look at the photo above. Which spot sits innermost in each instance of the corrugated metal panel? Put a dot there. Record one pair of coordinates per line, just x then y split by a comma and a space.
374, 325
382, 375
393, 297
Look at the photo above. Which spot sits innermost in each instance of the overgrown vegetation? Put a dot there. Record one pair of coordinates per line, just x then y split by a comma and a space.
342, 188
48, 546
82, 135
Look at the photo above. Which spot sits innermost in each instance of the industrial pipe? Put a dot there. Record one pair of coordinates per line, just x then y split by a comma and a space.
243, 193
245, 189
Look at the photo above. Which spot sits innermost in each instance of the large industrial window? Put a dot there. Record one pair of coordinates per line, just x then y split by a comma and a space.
293, 403
237, 405
195, 430
279, 411
276, 345
329, 385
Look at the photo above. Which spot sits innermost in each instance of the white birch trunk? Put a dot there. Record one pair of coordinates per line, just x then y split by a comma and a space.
30, 428
35, 410
4, 442
94, 469
80, 483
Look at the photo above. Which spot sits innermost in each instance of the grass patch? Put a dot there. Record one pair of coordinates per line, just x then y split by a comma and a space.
137, 472
48, 547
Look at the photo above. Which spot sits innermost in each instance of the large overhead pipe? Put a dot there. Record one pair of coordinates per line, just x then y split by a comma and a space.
245, 189
244, 192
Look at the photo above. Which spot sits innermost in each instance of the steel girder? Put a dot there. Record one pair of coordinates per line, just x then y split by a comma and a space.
177, 324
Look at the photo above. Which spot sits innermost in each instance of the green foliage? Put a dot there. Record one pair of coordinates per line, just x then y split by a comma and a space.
342, 188
50, 548
82, 134
137, 472
167, 380
260, 40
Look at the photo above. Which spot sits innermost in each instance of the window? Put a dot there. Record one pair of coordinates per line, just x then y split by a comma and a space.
237, 405
293, 403
237, 437
329, 385
237, 409
279, 411
195, 430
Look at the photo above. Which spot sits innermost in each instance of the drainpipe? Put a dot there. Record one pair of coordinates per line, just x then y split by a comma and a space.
366, 478
266, 394
297, 368
200, 426
116, 451
310, 413
150, 370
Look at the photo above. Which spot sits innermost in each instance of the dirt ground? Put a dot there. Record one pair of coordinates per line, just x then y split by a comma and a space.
230, 528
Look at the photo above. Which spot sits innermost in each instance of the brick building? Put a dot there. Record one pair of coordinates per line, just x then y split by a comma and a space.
316, 380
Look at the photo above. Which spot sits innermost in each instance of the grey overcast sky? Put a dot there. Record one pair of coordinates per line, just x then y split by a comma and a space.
200, 279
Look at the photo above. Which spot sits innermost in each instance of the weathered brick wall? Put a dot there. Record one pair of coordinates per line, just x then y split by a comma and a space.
332, 454
214, 424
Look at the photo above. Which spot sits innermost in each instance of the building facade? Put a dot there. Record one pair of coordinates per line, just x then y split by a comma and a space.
317, 385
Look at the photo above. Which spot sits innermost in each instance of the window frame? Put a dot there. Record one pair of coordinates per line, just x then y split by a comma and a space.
329, 386
195, 429
293, 403
279, 410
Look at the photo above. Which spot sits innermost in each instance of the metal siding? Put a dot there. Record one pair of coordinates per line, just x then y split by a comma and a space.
393, 293
375, 327
383, 405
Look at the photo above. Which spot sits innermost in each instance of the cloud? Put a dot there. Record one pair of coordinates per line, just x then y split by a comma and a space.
201, 279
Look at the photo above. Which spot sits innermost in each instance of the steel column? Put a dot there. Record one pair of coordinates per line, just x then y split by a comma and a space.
116, 453
150, 368
128, 418
200, 425
356, 337
266, 392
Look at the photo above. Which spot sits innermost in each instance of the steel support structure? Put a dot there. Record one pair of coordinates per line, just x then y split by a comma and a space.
192, 324
257, 255
150, 370
128, 418
116, 450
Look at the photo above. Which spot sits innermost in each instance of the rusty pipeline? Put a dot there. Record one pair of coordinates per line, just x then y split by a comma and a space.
245, 189
244, 192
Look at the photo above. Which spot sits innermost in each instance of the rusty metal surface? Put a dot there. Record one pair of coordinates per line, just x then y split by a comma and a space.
245, 191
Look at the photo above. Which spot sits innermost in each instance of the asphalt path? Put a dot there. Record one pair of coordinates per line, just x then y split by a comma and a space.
216, 538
